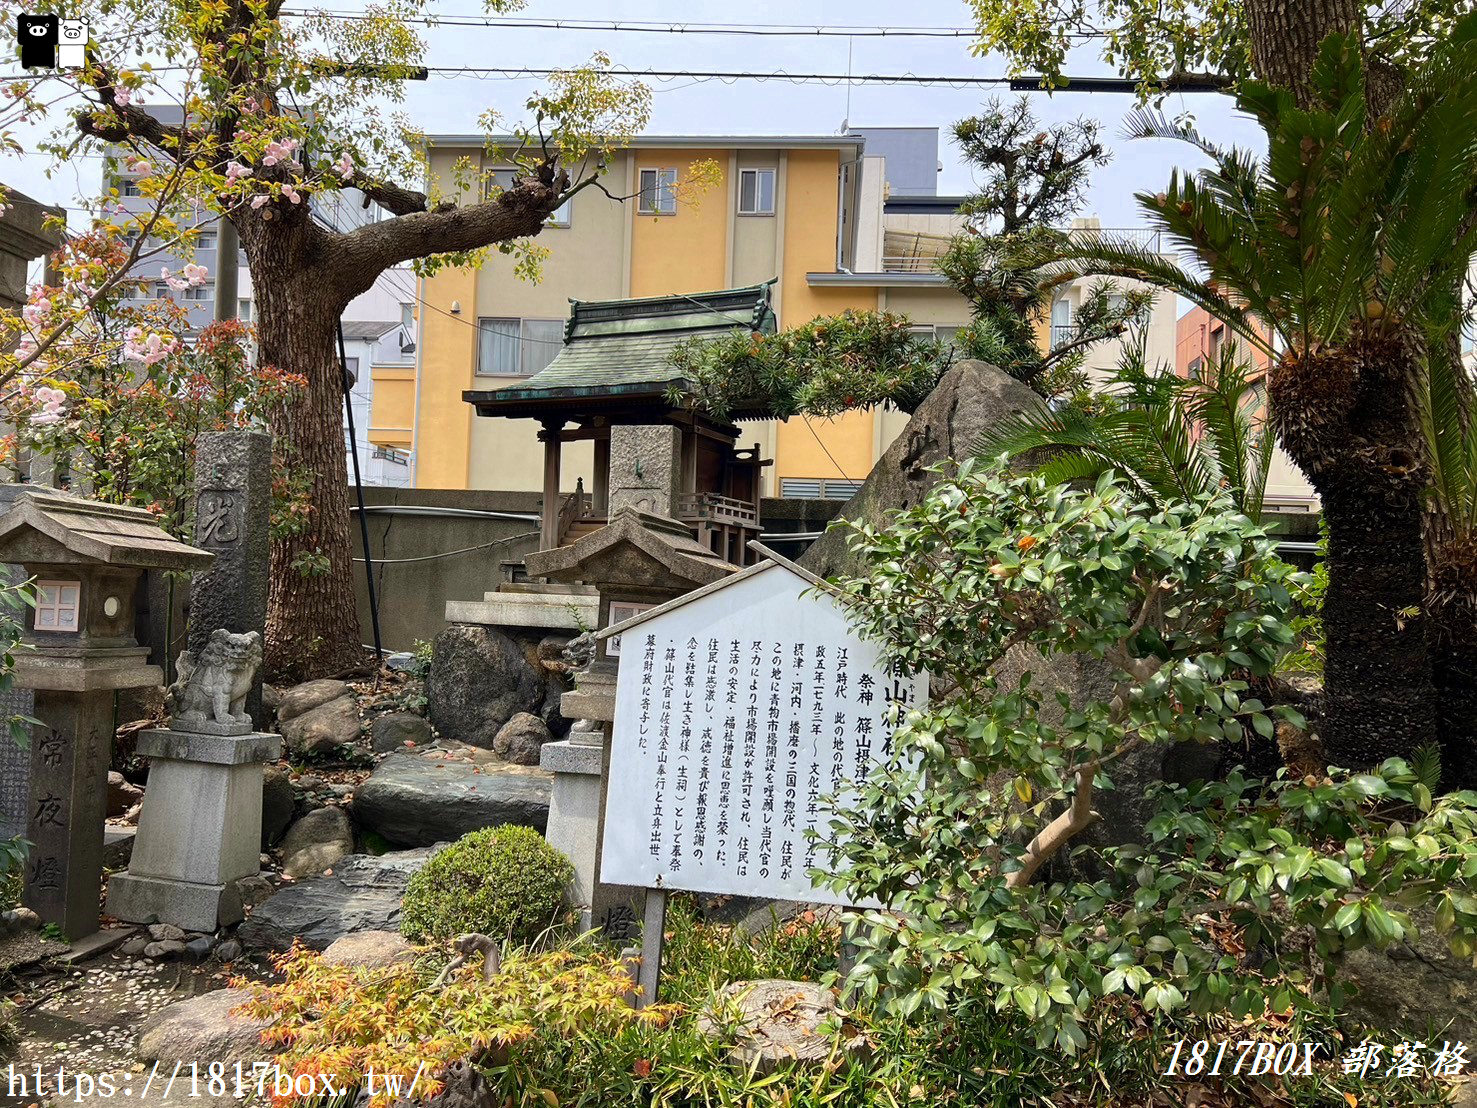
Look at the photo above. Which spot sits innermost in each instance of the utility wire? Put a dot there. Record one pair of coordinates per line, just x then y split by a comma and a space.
454, 553
678, 27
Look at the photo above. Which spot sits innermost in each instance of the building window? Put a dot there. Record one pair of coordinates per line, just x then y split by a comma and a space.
200, 292
517, 347
205, 240
243, 310
1061, 322
406, 338
817, 488
559, 217
756, 192
129, 188
658, 192
161, 291
498, 181
1195, 369
56, 605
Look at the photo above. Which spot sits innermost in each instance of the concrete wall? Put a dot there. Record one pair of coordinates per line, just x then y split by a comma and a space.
413, 594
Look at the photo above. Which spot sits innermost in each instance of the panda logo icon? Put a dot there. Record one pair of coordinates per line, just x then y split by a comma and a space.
39, 36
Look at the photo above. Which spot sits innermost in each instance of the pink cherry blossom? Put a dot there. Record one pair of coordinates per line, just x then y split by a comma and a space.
143, 167
148, 348
52, 402
258, 201
36, 311
291, 194
123, 96
196, 274
235, 171
178, 284
344, 166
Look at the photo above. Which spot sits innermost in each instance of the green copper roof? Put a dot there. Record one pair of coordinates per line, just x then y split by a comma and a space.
616, 349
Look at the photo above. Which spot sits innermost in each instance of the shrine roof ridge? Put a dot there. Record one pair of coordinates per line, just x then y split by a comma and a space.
619, 351
771, 561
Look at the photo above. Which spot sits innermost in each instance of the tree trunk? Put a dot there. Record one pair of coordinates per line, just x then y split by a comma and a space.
1285, 39
1348, 417
312, 611
1453, 608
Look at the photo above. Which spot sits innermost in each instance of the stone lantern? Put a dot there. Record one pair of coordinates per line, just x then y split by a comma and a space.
86, 560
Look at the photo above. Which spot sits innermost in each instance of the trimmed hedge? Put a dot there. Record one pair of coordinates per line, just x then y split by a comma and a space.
505, 881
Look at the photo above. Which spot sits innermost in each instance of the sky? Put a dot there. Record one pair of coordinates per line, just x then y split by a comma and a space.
685, 106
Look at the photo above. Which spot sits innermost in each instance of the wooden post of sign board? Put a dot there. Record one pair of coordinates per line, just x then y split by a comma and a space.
652, 939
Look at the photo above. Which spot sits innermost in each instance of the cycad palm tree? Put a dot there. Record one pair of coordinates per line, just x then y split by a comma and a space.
1337, 242
1451, 541
1173, 438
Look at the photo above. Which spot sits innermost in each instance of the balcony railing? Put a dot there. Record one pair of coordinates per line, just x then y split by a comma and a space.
1061, 334
919, 252
712, 508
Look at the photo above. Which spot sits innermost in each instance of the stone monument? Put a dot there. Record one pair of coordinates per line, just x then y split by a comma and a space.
200, 829
86, 560
15, 760
233, 507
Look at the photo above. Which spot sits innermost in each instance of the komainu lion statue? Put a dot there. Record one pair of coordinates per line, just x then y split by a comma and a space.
213, 687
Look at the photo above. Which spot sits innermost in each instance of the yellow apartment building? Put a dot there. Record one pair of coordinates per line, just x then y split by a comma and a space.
837, 221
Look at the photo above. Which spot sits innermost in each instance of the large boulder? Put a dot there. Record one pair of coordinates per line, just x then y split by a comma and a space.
521, 739
277, 803
316, 842
779, 1024
480, 678
421, 799
393, 730
205, 1026
971, 398
370, 950
307, 696
323, 729
362, 894
1413, 984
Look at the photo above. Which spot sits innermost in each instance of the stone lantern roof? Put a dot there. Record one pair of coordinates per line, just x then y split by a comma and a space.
48, 526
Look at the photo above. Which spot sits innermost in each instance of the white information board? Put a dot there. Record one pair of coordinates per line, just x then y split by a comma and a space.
736, 711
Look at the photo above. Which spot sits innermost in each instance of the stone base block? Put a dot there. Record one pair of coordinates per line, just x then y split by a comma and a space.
185, 904
201, 725
574, 815
201, 821
218, 749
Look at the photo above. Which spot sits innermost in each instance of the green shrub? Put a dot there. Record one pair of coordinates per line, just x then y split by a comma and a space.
501, 881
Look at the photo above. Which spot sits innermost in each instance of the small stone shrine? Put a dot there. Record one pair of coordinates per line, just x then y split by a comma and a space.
636, 562
86, 559
200, 829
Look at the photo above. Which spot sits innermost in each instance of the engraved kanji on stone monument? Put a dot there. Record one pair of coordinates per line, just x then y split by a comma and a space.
217, 518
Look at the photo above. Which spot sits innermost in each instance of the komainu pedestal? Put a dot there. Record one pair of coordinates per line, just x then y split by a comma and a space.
200, 828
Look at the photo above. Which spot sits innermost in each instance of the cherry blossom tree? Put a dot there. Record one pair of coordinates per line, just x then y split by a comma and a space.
280, 109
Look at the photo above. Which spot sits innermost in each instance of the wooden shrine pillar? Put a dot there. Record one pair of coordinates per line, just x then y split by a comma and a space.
549, 536
600, 494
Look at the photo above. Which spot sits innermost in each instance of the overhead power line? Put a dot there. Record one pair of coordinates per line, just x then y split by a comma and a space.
676, 27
